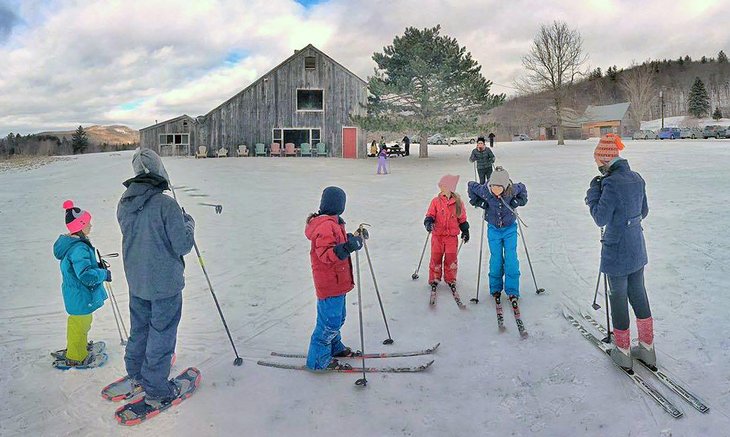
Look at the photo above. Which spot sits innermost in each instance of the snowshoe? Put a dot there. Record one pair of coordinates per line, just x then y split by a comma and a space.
91, 361
92, 347
122, 389
143, 409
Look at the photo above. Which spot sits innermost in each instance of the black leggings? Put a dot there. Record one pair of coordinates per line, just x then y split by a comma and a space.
625, 289
484, 174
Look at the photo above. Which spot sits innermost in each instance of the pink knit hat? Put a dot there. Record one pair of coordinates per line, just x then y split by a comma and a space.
449, 182
76, 219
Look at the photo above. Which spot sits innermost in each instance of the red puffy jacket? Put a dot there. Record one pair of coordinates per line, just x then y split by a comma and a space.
332, 276
443, 211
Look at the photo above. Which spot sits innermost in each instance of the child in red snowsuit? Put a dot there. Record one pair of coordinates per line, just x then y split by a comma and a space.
446, 216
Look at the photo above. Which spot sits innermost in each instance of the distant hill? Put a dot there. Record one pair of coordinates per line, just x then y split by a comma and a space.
112, 135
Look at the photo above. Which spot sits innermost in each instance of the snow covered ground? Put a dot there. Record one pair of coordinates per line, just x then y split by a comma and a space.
482, 383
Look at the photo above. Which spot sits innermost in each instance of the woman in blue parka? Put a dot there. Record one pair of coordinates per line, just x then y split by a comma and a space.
617, 202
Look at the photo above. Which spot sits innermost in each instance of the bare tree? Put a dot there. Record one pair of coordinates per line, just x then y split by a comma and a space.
555, 60
639, 85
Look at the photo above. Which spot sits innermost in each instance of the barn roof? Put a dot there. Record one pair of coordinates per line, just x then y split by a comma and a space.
615, 112
287, 60
169, 121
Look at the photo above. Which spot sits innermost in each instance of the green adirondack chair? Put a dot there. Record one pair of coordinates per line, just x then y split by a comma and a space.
260, 149
321, 149
305, 149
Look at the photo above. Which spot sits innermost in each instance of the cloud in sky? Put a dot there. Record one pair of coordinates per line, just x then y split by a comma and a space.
68, 62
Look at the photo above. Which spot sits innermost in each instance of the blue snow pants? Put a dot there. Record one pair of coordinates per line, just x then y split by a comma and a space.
326, 339
504, 267
152, 339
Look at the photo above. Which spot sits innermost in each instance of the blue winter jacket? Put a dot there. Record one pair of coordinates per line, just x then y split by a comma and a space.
155, 237
619, 203
497, 214
82, 288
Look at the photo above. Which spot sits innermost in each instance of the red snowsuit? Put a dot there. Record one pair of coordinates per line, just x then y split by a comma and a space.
332, 276
444, 237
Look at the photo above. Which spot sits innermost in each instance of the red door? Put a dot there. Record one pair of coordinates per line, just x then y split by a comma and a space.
349, 142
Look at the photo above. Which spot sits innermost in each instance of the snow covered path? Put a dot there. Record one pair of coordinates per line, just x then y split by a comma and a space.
482, 383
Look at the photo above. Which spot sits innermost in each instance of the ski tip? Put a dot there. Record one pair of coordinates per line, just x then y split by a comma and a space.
436, 347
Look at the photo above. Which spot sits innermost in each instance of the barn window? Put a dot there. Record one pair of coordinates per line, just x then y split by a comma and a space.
310, 100
310, 63
316, 137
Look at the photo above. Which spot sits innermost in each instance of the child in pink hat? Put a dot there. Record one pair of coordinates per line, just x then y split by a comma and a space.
446, 217
82, 287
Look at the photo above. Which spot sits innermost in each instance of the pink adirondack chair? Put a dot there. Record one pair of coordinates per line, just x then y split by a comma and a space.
275, 149
290, 150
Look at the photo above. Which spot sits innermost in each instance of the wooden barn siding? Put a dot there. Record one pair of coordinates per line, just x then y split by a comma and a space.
249, 117
149, 137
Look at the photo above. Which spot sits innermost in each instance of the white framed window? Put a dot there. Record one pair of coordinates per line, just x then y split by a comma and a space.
310, 63
311, 100
174, 139
278, 138
316, 136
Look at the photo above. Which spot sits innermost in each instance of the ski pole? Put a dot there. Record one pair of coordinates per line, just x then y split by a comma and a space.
365, 235
595, 305
538, 290
527, 252
238, 361
608, 316
414, 276
113, 301
362, 381
479, 269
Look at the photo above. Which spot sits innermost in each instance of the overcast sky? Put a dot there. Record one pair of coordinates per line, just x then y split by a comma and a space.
65, 63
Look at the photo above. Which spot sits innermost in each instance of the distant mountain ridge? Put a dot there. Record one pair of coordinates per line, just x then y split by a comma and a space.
97, 134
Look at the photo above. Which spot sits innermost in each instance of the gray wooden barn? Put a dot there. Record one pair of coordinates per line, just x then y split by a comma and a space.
308, 98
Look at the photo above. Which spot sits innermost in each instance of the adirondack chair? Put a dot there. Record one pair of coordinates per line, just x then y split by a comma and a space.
242, 150
260, 149
321, 149
275, 149
290, 149
222, 153
306, 150
202, 152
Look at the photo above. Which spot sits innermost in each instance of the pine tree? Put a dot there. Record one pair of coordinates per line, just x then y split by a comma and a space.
687, 59
704, 60
699, 101
722, 57
717, 114
79, 141
426, 82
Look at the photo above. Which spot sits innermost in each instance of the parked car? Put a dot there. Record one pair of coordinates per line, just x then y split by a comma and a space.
644, 135
669, 133
463, 139
713, 131
437, 139
520, 137
690, 132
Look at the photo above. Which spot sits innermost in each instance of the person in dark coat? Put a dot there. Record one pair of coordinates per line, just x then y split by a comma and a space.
484, 159
407, 145
156, 234
491, 139
617, 202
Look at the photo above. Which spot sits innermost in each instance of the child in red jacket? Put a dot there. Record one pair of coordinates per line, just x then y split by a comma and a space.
332, 271
446, 216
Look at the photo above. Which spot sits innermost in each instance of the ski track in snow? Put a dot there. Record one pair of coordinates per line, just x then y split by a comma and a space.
482, 383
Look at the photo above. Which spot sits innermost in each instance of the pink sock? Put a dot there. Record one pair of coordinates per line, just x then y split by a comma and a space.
646, 331
622, 339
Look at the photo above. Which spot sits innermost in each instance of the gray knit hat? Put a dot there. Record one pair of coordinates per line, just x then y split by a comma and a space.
500, 177
146, 161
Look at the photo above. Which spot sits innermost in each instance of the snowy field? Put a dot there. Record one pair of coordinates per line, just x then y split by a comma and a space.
483, 383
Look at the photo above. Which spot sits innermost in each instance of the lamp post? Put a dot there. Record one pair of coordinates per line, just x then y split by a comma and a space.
661, 98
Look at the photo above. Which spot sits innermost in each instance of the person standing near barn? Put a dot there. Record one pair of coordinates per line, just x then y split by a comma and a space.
491, 139
484, 159
407, 145
617, 203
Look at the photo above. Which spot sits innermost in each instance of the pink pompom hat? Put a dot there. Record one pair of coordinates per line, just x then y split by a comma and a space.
76, 219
